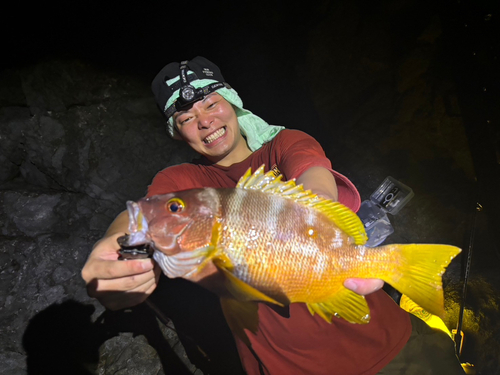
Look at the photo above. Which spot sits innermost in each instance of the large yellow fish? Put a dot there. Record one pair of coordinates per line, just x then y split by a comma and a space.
277, 243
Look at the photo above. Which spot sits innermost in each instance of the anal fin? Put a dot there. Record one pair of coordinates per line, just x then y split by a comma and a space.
344, 304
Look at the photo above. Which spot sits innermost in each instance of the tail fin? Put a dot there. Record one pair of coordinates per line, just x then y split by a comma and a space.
419, 271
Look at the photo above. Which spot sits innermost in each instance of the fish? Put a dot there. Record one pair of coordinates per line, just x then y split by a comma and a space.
277, 243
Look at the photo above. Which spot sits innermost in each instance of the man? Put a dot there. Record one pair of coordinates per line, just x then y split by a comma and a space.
205, 112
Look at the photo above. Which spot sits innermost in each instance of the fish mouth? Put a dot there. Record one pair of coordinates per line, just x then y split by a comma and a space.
137, 225
215, 135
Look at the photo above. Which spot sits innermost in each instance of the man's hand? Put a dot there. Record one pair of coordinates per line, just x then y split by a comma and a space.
364, 286
118, 284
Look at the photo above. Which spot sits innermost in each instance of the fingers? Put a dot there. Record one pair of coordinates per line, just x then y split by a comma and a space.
122, 284
363, 286
123, 292
113, 269
102, 262
107, 248
118, 284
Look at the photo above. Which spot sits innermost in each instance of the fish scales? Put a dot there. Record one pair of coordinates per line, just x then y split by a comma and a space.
244, 239
290, 252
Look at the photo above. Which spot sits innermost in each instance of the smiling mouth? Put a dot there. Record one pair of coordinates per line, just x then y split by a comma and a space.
214, 136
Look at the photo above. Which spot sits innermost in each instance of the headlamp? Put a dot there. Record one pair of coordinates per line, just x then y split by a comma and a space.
188, 95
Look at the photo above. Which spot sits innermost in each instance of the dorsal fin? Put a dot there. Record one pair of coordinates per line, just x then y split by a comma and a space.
341, 215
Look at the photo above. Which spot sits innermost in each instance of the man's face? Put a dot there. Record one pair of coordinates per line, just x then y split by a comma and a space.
210, 127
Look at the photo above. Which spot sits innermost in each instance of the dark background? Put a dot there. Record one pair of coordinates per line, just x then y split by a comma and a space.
408, 89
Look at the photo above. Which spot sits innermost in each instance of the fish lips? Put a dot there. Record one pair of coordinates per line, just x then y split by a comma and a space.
137, 225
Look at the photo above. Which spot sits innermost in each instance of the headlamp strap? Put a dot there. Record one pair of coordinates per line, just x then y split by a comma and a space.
183, 68
188, 94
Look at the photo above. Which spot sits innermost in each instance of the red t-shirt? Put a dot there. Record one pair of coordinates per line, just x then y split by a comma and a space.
301, 344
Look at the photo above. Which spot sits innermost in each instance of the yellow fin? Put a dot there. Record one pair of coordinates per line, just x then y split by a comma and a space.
341, 215
344, 304
244, 179
207, 253
242, 291
258, 180
240, 316
418, 273
344, 218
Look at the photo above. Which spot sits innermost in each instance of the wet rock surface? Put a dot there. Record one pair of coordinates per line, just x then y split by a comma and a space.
81, 134
62, 154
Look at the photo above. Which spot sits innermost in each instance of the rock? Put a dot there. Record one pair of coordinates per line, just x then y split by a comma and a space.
70, 160
13, 364
126, 354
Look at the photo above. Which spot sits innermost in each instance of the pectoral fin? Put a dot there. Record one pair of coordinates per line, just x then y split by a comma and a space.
244, 292
345, 304
240, 316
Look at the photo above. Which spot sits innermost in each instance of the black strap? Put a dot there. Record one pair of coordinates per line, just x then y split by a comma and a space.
205, 90
183, 76
177, 85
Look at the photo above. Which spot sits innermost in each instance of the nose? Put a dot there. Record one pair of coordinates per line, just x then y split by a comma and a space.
205, 120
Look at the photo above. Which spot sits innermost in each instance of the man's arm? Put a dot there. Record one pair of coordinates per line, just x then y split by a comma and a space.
320, 181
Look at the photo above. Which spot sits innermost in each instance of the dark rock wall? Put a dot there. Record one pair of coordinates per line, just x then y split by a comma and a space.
77, 142
375, 82
76, 126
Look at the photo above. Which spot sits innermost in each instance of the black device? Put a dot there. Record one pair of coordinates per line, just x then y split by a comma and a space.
188, 95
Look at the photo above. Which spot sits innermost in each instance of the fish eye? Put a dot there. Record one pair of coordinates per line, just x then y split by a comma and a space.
175, 205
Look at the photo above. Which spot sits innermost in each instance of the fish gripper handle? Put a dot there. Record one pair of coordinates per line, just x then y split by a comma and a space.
128, 252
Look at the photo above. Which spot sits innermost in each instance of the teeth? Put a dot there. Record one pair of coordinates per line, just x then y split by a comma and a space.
212, 137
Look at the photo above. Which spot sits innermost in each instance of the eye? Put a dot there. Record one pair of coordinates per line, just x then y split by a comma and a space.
185, 120
175, 205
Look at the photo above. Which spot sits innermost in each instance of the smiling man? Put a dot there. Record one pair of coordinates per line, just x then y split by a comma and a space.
204, 111
210, 127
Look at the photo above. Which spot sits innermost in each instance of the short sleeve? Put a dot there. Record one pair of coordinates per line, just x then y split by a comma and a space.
298, 151
168, 180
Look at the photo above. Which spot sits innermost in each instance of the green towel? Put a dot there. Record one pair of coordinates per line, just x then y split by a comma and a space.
254, 129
